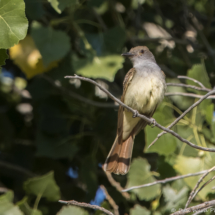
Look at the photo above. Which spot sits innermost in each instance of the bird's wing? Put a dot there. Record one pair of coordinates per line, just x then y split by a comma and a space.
127, 80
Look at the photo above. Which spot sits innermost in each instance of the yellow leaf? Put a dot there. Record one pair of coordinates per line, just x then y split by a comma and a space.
28, 58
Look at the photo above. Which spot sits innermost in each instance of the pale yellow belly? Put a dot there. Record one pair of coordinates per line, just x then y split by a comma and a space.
143, 94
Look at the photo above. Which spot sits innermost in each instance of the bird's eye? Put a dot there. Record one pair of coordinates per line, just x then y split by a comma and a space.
142, 51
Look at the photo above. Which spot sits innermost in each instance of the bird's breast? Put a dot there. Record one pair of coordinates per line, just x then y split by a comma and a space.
145, 91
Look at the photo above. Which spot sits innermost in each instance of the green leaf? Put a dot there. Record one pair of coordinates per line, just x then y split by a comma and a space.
199, 73
186, 165
140, 174
100, 67
69, 210
13, 23
182, 102
3, 56
139, 210
209, 113
167, 143
52, 44
60, 5
6, 205
43, 185
26, 209
173, 199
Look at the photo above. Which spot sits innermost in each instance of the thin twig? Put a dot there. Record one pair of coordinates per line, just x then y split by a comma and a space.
192, 79
179, 118
116, 185
188, 86
195, 208
111, 201
17, 168
165, 180
193, 192
77, 96
86, 205
188, 95
149, 120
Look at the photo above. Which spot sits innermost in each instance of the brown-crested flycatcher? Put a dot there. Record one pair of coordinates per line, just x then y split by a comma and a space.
143, 89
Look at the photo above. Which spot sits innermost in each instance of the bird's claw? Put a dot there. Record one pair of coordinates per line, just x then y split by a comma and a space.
153, 122
135, 114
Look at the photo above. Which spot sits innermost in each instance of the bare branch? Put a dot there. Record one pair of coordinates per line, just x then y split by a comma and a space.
111, 201
165, 180
194, 192
180, 117
188, 86
188, 95
195, 208
149, 120
86, 205
192, 79
116, 185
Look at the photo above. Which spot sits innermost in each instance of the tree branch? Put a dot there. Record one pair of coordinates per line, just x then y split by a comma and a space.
86, 205
165, 180
181, 116
111, 201
188, 95
194, 192
195, 208
149, 120
192, 79
116, 185
188, 86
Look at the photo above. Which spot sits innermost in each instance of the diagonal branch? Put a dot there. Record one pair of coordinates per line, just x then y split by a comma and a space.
165, 180
193, 95
86, 205
149, 120
188, 86
195, 208
194, 191
181, 116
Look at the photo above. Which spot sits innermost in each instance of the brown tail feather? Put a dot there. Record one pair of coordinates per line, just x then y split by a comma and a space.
119, 158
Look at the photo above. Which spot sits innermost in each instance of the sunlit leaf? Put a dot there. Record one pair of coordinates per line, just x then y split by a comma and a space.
44, 186
52, 44
196, 165
28, 58
173, 199
199, 73
100, 67
139, 210
67, 210
13, 23
140, 174
167, 143
6, 205
60, 5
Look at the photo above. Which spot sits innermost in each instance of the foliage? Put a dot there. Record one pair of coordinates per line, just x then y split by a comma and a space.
56, 133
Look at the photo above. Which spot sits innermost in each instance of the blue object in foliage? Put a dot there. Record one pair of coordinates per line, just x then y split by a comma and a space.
99, 198
72, 173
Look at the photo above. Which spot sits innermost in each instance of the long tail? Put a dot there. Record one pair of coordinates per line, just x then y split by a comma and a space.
119, 157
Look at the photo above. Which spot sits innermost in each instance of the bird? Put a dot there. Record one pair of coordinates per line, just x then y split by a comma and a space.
144, 87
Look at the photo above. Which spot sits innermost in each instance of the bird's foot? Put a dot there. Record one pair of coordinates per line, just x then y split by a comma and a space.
153, 122
135, 114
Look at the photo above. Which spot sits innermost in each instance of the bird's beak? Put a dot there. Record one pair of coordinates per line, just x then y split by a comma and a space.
127, 54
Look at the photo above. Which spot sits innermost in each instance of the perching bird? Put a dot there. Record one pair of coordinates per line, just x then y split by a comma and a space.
143, 89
